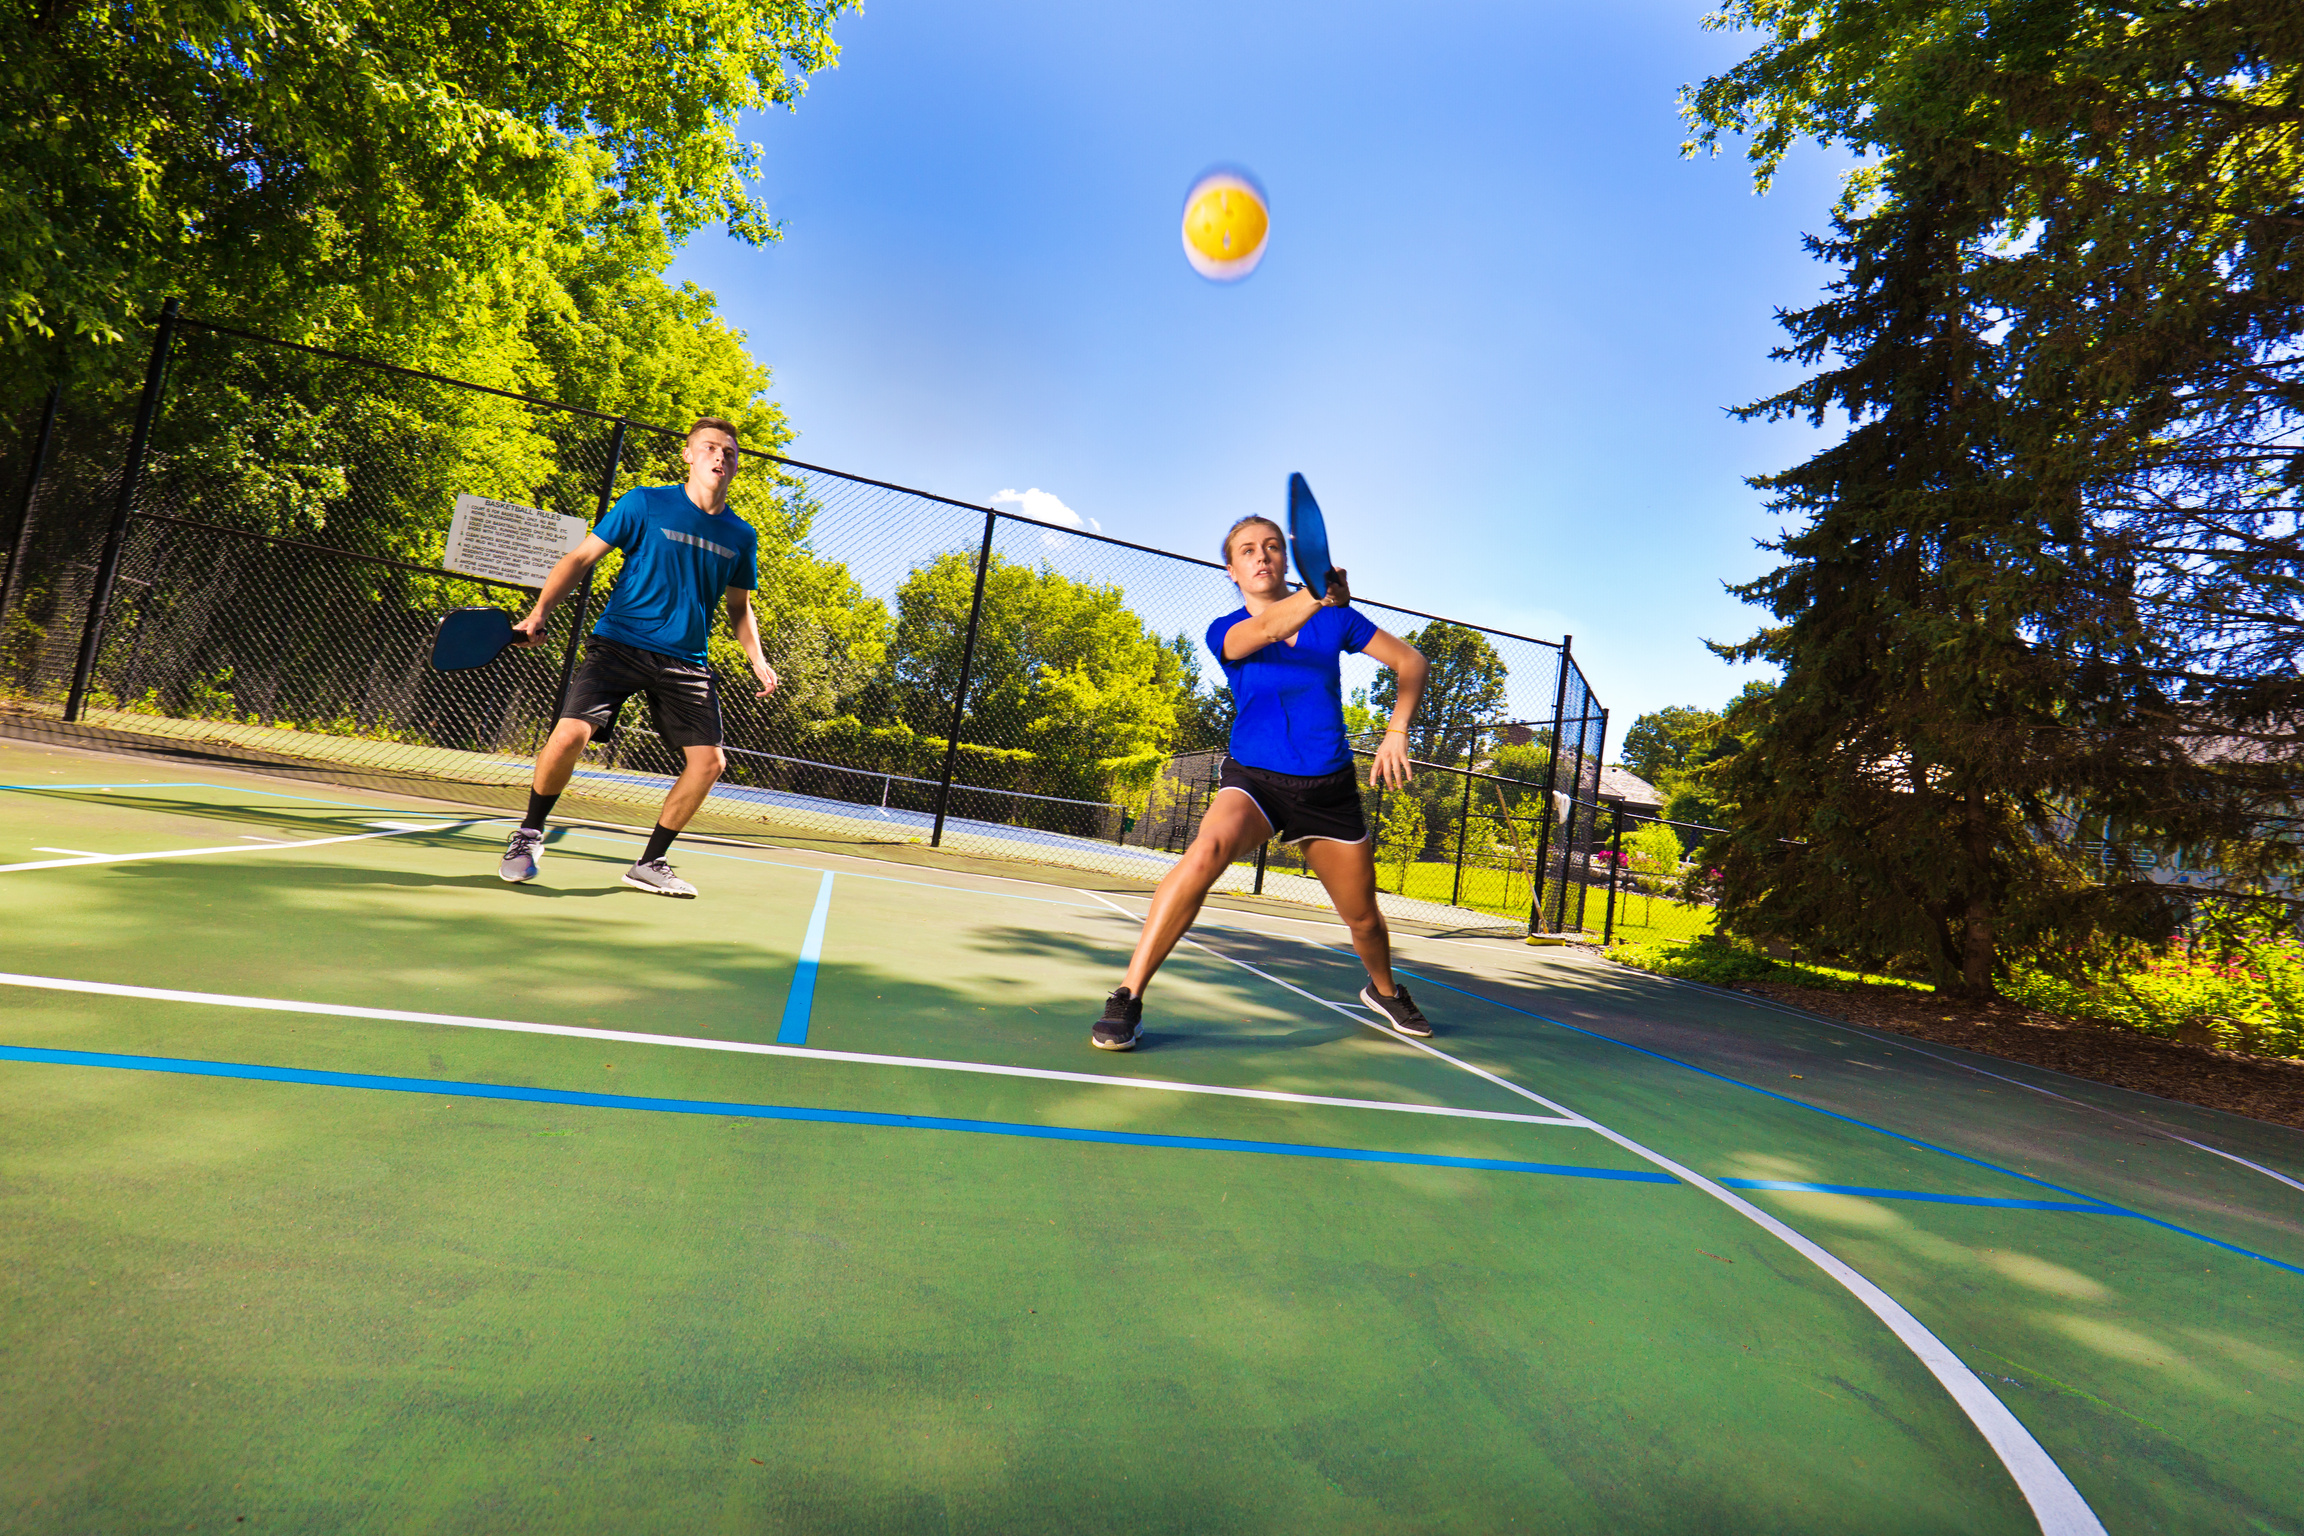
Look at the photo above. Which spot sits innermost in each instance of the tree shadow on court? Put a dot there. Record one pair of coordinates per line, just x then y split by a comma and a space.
310, 819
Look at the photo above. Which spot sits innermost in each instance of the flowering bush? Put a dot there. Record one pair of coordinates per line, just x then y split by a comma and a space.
2237, 981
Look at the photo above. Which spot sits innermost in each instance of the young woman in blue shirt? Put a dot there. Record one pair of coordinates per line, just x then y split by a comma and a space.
1288, 771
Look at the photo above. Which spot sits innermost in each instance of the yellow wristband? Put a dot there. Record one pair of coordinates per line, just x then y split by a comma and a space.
1394, 731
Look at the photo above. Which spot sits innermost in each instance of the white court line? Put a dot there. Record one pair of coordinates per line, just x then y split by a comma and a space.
756, 1048
2243, 1162
1904, 1043
2056, 1504
78, 853
188, 853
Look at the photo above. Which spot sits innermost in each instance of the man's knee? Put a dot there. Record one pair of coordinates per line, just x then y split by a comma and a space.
707, 760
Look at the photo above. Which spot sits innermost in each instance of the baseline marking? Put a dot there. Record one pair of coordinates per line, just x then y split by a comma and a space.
187, 853
2056, 1504
793, 1030
419, 1085
757, 1048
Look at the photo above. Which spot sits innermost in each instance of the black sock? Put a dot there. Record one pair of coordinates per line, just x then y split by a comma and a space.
659, 842
539, 807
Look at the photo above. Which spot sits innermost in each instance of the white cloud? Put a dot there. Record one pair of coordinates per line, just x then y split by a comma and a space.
1046, 507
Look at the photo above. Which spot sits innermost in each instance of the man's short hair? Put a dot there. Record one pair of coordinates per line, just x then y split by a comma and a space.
1233, 531
714, 423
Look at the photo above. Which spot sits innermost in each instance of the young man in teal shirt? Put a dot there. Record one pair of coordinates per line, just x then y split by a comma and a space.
683, 552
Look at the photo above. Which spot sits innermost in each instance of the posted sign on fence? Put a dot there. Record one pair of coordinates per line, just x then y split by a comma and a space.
505, 541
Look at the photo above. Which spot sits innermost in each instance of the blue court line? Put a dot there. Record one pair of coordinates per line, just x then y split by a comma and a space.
454, 1090
1914, 1194
794, 1028
2118, 1210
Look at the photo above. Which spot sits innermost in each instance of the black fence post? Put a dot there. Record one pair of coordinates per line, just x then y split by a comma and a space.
960, 692
1615, 863
584, 596
1463, 826
1261, 849
22, 549
1536, 919
108, 566
1599, 755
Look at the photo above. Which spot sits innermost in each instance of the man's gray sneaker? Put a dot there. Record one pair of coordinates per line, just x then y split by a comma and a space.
1397, 1011
521, 855
656, 875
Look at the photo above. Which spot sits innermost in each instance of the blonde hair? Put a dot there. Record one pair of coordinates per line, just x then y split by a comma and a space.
1230, 532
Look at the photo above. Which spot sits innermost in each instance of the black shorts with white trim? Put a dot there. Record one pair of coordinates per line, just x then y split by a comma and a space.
1301, 809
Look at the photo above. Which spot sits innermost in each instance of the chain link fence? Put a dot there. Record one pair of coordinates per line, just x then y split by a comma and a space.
1659, 888
251, 567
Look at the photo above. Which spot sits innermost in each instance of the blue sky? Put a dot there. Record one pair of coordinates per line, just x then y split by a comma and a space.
1496, 326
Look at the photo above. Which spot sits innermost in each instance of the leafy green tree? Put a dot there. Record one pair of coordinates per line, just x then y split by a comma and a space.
1530, 763
2133, 176
1652, 858
1664, 744
386, 172
1063, 669
1400, 836
826, 638
2033, 576
1464, 690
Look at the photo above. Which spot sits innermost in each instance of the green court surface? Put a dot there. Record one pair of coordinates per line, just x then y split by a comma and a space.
345, 1188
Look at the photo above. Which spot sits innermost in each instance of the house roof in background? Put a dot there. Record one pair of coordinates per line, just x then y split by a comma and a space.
1621, 783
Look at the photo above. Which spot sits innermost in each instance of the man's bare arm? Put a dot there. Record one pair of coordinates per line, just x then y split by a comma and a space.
747, 630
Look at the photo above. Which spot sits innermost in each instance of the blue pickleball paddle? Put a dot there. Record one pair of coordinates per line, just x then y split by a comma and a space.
470, 637
1308, 536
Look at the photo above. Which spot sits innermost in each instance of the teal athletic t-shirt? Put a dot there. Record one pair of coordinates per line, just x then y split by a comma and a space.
678, 562
1290, 698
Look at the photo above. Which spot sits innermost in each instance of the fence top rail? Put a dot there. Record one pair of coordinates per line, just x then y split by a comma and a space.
777, 458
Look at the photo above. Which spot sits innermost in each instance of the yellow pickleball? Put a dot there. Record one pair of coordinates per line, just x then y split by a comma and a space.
1226, 222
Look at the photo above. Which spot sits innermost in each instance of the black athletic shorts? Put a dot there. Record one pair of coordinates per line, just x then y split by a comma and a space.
1298, 808
681, 697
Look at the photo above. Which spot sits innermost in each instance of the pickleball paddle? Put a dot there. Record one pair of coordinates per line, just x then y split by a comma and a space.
470, 637
1308, 536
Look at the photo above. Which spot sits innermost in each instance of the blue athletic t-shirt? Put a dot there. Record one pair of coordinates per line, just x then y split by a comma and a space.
678, 561
1290, 698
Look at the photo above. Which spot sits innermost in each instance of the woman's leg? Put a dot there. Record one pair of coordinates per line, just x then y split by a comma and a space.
1232, 826
1348, 871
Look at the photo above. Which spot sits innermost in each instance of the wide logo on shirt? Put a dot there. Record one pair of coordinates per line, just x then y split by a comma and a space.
707, 544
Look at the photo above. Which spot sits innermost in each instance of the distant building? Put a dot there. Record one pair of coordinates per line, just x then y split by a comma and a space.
1638, 796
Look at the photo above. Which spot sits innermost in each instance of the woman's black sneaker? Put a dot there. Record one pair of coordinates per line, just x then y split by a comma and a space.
1118, 1029
1398, 1011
